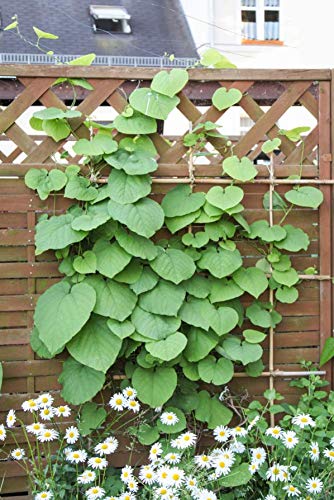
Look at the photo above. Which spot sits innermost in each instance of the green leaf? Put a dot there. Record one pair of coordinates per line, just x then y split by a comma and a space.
215, 59
224, 198
286, 294
200, 344
278, 201
62, 311
166, 299
197, 312
270, 145
44, 34
39, 347
305, 196
79, 187
85, 60
295, 133
242, 170
139, 143
146, 282
111, 259
136, 245
238, 476
223, 99
11, 26
80, 82
58, 129
328, 351
95, 345
133, 163
144, 217
224, 289
137, 123
80, 383
254, 369
178, 426
85, 264
242, 351
92, 416
95, 216
198, 286
152, 104
113, 300
260, 316
197, 240
181, 201
125, 189
217, 372
288, 278
252, 280
154, 386
220, 262
45, 182
147, 435
174, 224
212, 411
224, 320
173, 265
253, 336
130, 274
154, 326
121, 329
171, 82
100, 144
168, 348
295, 239
273, 233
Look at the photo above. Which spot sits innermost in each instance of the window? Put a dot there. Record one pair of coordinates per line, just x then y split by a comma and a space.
260, 19
110, 18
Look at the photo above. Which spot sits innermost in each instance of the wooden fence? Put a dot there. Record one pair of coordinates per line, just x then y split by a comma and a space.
23, 276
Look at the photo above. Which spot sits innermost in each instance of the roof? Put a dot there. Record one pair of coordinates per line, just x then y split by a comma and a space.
158, 26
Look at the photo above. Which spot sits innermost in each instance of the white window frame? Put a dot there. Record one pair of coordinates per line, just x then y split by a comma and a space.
259, 13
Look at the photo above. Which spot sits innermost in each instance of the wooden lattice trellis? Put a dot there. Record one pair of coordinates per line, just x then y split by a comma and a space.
306, 324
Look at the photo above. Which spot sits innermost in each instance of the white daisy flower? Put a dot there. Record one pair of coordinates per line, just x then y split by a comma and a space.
163, 475
190, 483
155, 451
176, 477
258, 455
303, 420
253, 467
117, 402
45, 400
76, 456
35, 428
291, 490
30, 405
18, 454
332, 441
329, 454
253, 422
132, 485
221, 433
226, 454
71, 435
275, 473
314, 451
104, 448
97, 463
274, 432
172, 458
44, 495
133, 405
176, 443
187, 439
237, 447
2, 432
127, 496
46, 413
87, 477
63, 411
289, 439
285, 473
113, 443
222, 466
127, 473
239, 431
169, 418
129, 392
314, 485
11, 418
207, 495
94, 493
47, 435
203, 461
270, 497
147, 475
162, 492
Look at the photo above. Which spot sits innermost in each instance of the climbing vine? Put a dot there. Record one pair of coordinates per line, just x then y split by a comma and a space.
170, 309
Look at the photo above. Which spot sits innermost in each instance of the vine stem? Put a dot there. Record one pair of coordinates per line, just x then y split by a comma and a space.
191, 169
271, 291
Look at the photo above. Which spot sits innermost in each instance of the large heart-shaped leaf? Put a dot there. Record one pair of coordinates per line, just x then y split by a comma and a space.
133, 163
154, 386
92, 416
124, 188
95, 216
135, 124
62, 311
217, 372
220, 262
139, 143
213, 58
289, 277
253, 336
198, 286
130, 274
252, 280
100, 144
200, 343
236, 477
224, 320
146, 282
287, 295
166, 299
174, 224
178, 426
169, 348
222, 290
154, 326
113, 299
45, 182
85, 263
173, 265
242, 351
305, 196
259, 315
295, 239
136, 245
197, 240
79, 188
58, 129
270, 145
181, 201
95, 345
171, 82
327, 352
212, 411
56, 233
224, 198
122, 329
111, 259
144, 217
223, 99
152, 104
197, 312
80, 383
242, 170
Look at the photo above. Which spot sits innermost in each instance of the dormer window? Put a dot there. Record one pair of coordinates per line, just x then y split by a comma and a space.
112, 18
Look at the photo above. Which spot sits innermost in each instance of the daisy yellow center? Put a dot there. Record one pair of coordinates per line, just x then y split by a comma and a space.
18, 454
285, 474
1, 432
148, 475
104, 447
129, 393
95, 490
304, 420
98, 460
331, 453
292, 488
253, 467
314, 450
192, 483
126, 474
172, 457
71, 434
47, 434
132, 403
154, 450
164, 475
31, 403
45, 400
61, 409
290, 439
176, 477
276, 471
258, 456
127, 497
10, 417
222, 464
119, 401
186, 438
314, 485
275, 431
44, 495
169, 417
46, 412
222, 433
163, 491
205, 458
238, 429
76, 455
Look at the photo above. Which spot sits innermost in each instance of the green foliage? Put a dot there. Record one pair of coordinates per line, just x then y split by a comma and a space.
154, 386
45, 182
327, 352
170, 83
241, 170
212, 58
224, 99
92, 417
80, 383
